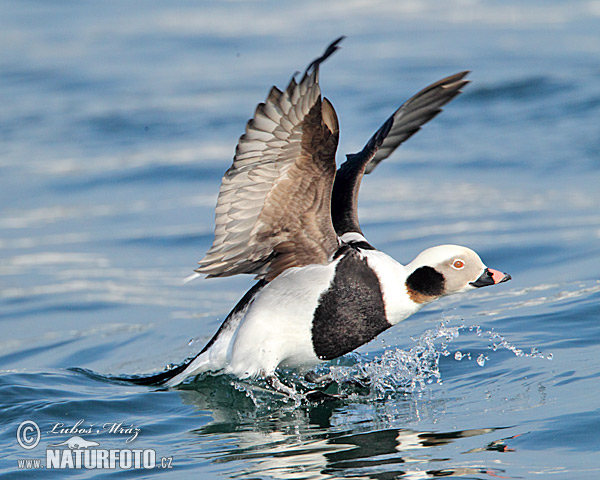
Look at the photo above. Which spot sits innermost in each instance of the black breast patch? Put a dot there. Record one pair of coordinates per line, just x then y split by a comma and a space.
351, 312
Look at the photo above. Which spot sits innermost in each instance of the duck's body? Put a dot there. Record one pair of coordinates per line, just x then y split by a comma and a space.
285, 215
307, 315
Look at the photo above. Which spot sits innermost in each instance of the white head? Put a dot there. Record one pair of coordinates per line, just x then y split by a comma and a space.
448, 269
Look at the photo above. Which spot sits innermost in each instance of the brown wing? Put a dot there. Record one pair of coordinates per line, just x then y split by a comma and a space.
402, 124
273, 209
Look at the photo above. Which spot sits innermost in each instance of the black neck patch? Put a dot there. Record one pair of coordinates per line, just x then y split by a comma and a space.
363, 245
351, 312
425, 282
343, 250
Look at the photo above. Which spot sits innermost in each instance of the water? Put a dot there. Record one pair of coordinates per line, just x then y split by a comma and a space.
118, 120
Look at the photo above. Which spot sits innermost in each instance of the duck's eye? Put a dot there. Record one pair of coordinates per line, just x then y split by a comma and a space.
458, 264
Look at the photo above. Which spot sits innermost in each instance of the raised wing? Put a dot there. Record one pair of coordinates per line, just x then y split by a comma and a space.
273, 209
405, 122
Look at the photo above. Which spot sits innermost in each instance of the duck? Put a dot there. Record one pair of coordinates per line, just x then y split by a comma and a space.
288, 216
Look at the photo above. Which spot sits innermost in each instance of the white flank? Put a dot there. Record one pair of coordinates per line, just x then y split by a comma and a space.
274, 330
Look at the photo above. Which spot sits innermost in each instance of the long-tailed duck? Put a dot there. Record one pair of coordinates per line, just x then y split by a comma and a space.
286, 216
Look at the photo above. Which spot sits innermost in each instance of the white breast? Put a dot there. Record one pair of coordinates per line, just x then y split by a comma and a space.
392, 277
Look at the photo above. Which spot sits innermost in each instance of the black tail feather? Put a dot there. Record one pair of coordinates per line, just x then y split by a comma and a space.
156, 380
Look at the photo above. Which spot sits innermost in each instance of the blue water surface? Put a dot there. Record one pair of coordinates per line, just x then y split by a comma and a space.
118, 119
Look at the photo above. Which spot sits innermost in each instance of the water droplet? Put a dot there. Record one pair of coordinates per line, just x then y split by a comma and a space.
458, 356
481, 360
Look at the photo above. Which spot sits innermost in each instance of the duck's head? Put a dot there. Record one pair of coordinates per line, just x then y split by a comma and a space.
448, 269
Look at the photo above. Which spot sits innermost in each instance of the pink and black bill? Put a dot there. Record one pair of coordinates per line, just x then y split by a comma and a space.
491, 277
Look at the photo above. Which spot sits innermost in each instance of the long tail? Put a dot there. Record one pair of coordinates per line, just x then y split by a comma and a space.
158, 379
197, 364
168, 378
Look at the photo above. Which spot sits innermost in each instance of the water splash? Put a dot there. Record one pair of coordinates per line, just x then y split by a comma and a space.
481, 359
498, 341
399, 371
395, 372
261, 393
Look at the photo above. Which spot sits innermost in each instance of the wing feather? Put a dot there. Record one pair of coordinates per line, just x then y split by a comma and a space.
273, 209
401, 125
415, 112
